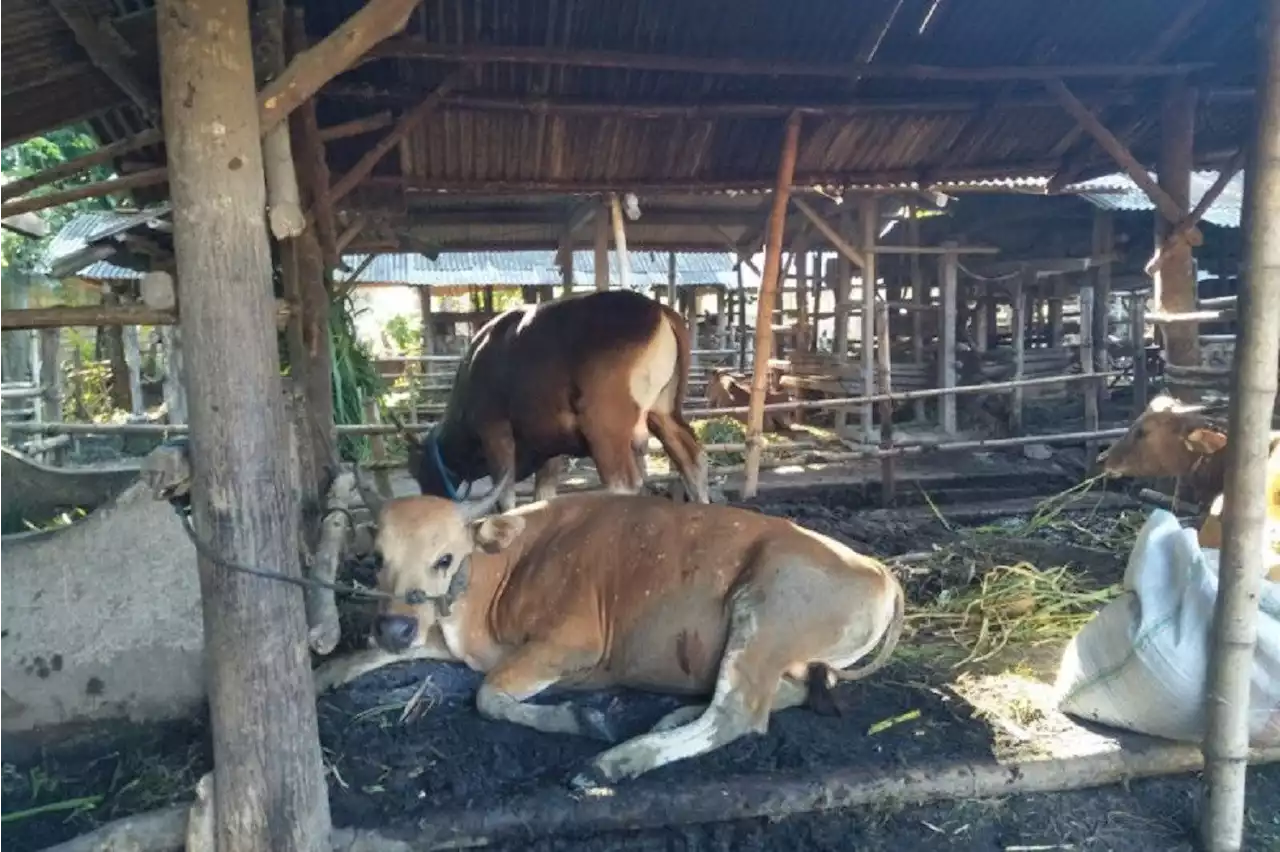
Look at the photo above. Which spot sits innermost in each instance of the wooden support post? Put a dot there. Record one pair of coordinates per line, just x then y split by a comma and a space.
673, 292
1175, 282
869, 216
428, 333
920, 296
601, 247
49, 376
802, 296
842, 292
1138, 338
839, 239
742, 318
1018, 297
620, 241
262, 707
1086, 368
1055, 316
132, 350
981, 330
884, 371
722, 318
822, 272
1103, 247
768, 289
565, 258
488, 300
284, 203
175, 382
950, 263
1245, 512
377, 448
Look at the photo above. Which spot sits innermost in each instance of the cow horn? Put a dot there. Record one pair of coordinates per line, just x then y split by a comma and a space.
484, 506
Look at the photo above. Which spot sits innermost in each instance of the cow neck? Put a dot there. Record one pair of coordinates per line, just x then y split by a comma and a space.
491, 576
449, 455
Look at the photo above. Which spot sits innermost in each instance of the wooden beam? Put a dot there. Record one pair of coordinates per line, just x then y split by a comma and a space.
100, 316
1109, 143
106, 153
350, 233
412, 48
764, 307
1175, 285
27, 224
311, 153
357, 126
1172, 35
101, 42
149, 177
1179, 232
311, 69
407, 123
838, 242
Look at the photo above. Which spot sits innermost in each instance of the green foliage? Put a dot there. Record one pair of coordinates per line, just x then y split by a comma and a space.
23, 254
721, 430
405, 332
87, 380
354, 378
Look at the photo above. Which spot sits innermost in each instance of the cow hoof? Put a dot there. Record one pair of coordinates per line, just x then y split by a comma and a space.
593, 723
591, 782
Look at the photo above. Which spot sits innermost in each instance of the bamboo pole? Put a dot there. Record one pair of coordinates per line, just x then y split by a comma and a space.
869, 214
742, 317
764, 310
1137, 336
1087, 367
1244, 534
620, 241
947, 342
884, 367
838, 242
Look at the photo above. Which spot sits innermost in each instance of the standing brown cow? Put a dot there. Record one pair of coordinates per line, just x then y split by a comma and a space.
1167, 441
587, 375
729, 390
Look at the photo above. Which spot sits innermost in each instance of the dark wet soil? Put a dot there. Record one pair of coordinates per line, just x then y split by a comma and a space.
388, 767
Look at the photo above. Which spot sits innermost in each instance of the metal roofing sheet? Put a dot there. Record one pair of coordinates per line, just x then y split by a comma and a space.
1119, 192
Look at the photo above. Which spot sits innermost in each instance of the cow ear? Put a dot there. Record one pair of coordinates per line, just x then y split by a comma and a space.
1204, 441
497, 532
1162, 403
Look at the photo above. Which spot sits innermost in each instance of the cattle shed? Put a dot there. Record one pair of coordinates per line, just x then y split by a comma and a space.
961, 215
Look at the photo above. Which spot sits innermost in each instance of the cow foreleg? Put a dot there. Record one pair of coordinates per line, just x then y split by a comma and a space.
336, 672
499, 447
528, 672
547, 479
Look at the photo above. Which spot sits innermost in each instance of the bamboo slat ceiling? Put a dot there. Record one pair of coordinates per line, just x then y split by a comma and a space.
526, 125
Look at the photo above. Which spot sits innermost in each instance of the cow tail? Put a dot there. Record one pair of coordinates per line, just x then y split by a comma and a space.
891, 637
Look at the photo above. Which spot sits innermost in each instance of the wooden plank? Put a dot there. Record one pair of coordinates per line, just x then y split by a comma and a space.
764, 308
357, 126
1168, 208
66, 316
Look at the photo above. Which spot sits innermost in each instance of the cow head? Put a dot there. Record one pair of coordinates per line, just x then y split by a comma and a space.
1164, 441
424, 546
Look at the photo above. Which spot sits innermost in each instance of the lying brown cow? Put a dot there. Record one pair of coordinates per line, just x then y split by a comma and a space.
702, 600
728, 390
1167, 441
591, 374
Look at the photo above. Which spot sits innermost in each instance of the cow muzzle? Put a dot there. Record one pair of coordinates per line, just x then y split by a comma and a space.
395, 633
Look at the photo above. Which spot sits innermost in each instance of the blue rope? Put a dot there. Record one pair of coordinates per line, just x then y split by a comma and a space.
445, 474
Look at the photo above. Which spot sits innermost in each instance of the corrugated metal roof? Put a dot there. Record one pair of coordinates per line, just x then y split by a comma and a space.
532, 268
1119, 192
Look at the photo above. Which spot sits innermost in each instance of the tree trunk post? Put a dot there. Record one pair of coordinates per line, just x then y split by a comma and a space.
764, 310
1244, 516
1175, 281
50, 379
268, 779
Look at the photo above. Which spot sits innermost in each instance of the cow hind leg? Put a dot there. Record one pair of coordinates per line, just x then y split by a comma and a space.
685, 452
528, 672
547, 479
499, 446
749, 687
614, 452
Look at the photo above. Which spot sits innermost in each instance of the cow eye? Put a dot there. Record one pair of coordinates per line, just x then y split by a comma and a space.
443, 563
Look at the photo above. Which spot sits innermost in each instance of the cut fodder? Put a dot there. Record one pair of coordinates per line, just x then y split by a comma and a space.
1010, 605
729, 430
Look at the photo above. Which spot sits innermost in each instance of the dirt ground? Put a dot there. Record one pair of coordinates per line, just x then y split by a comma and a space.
388, 770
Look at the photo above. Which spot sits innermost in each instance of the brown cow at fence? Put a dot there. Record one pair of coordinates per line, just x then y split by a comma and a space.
726, 389
749, 610
1169, 440
588, 375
